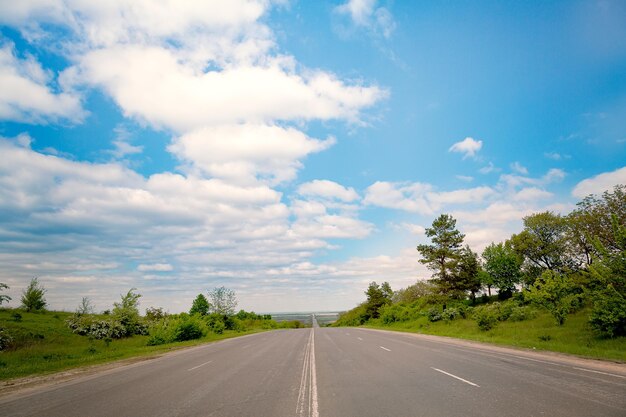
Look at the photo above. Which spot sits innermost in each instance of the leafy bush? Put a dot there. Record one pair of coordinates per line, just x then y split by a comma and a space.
188, 329
450, 313
33, 296
5, 339
521, 313
98, 329
215, 322
17, 317
434, 314
485, 317
608, 316
392, 313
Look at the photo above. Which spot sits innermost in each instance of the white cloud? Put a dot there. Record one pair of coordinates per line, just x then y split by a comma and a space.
488, 169
519, 168
241, 153
531, 194
155, 267
27, 93
399, 196
328, 190
465, 178
468, 147
414, 229
600, 183
419, 197
365, 14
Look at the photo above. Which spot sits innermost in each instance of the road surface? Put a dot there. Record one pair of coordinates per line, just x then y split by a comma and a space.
337, 372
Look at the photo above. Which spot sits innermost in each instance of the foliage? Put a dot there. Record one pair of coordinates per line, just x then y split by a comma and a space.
5, 339
543, 245
556, 292
85, 325
468, 272
216, 323
85, 306
200, 305
4, 297
608, 316
434, 314
126, 312
155, 314
33, 296
355, 317
503, 266
413, 292
486, 318
377, 297
442, 256
223, 301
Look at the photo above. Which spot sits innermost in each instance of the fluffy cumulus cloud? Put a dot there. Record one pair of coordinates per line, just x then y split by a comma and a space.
27, 92
209, 74
468, 147
600, 183
328, 190
421, 198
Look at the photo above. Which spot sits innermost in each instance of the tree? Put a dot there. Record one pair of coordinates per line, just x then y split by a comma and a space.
543, 245
468, 272
4, 297
592, 220
504, 268
413, 292
33, 296
85, 306
127, 312
556, 292
200, 305
377, 296
608, 288
223, 301
443, 255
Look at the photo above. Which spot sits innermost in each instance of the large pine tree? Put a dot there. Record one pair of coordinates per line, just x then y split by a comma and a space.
443, 255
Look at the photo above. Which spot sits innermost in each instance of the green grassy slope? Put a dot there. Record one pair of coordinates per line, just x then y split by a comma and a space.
540, 332
44, 344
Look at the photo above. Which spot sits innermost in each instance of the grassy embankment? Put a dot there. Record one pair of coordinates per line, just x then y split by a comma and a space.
43, 344
539, 332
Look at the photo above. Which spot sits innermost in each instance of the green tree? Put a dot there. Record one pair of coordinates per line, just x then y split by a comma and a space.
200, 305
127, 312
557, 293
377, 296
33, 296
592, 221
504, 268
413, 292
443, 255
468, 272
543, 245
223, 301
608, 287
4, 297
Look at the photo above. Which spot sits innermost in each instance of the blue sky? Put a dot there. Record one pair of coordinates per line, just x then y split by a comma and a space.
293, 151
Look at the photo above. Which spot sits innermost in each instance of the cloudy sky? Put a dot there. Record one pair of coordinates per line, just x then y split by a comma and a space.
291, 150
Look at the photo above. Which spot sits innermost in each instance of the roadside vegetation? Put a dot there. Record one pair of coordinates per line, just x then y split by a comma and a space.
559, 284
36, 341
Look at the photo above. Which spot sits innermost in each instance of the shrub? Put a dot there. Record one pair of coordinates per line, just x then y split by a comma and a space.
608, 316
521, 313
215, 322
434, 314
97, 328
450, 313
485, 317
5, 339
33, 296
16, 317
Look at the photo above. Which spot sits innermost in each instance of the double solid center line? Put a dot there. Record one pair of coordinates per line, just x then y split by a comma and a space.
307, 395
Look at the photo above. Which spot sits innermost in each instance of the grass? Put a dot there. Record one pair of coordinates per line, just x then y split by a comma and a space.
46, 345
541, 333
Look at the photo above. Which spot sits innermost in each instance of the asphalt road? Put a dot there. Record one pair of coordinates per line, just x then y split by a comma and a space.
337, 372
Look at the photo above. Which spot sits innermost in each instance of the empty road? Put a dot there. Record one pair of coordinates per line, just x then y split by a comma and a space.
337, 372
